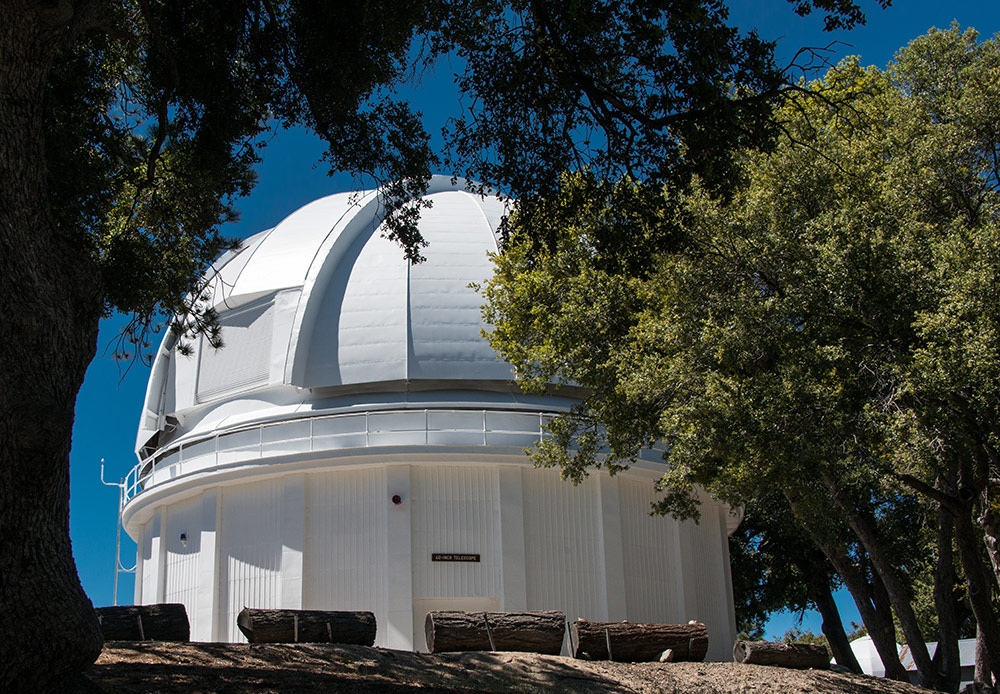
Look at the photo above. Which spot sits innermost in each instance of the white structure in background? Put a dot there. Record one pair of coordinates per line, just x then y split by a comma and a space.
871, 663
356, 427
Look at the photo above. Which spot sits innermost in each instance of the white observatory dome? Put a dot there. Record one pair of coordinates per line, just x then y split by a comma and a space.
356, 427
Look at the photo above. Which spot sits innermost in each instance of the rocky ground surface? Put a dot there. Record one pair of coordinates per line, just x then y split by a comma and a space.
197, 668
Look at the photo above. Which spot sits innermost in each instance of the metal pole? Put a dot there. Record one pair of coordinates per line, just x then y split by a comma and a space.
118, 542
118, 531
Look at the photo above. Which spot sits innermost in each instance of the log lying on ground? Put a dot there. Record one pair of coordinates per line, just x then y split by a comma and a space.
635, 642
533, 632
792, 655
306, 626
164, 622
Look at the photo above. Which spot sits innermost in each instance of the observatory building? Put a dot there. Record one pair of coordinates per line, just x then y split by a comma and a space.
357, 445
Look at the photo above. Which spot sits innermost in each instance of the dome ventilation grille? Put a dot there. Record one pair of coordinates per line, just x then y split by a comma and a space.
244, 360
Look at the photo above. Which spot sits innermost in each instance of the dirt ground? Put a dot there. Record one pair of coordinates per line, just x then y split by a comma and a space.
201, 668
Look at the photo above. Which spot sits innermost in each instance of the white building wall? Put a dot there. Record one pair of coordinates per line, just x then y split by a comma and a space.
398, 627
149, 559
334, 540
181, 576
250, 571
456, 510
647, 546
140, 542
713, 594
562, 531
205, 625
344, 566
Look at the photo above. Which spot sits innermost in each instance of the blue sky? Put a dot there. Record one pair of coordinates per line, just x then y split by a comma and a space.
291, 175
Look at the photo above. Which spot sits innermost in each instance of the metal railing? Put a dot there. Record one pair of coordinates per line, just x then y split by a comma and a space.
480, 427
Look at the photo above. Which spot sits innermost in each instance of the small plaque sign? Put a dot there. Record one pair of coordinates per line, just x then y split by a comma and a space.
450, 556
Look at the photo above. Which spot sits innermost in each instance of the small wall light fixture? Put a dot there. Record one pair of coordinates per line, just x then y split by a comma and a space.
397, 499
184, 539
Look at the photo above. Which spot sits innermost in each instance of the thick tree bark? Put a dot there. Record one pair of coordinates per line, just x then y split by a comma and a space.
162, 622
791, 655
946, 659
990, 522
979, 591
982, 670
533, 632
51, 305
833, 626
635, 642
307, 626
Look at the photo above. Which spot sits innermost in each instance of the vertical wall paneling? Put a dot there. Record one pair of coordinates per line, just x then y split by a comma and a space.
182, 545
727, 586
456, 510
611, 548
562, 532
150, 556
158, 558
346, 543
512, 569
204, 625
251, 551
712, 586
710, 577
141, 545
652, 558
399, 560
684, 574
293, 501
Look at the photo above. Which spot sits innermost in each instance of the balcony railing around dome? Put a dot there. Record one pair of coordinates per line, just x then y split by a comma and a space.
445, 427
338, 432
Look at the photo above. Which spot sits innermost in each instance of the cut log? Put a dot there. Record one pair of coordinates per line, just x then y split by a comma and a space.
532, 632
636, 642
791, 655
164, 622
306, 626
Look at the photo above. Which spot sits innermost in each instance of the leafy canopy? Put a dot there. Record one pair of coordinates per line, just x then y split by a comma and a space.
827, 329
156, 112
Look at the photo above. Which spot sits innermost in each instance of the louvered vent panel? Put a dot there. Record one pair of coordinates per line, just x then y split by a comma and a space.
244, 360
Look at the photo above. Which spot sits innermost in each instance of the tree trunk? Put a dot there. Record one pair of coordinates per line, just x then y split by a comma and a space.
877, 621
51, 303
979, 588
864, 527
533, 632
946, 659
164, 622
982, 670
307, 626
990, 522
791, 655
833, 626
635, 642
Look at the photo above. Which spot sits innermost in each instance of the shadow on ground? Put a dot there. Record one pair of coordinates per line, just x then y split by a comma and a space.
203, 668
